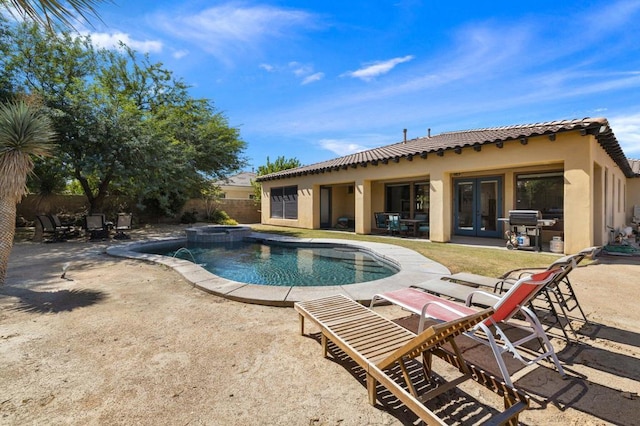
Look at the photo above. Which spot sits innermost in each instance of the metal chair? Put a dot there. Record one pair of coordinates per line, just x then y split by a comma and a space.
49, 227
491, 332
123, 223
96, 226
394, 226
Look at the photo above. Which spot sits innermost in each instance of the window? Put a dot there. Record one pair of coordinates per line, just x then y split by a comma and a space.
541, 191
421, 191
408, 199
284, 202
398, 199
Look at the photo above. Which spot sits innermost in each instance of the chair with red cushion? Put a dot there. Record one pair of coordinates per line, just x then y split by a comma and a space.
491, 331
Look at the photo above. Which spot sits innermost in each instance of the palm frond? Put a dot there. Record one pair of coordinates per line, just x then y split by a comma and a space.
24, 133
46, 12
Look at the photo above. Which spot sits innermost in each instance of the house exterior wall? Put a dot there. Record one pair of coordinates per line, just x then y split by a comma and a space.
633, 198
343, 203
237, 192
594, 191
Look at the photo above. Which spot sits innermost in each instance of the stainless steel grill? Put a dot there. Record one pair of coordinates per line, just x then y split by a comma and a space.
524, 229
525, 217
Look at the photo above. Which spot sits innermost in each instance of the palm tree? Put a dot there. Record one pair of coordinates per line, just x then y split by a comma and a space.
45, 12
24, 133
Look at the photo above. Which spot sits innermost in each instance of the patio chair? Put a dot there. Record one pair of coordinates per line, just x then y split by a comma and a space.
96, 227
68, 230
422, 227
48, 227
381, 221
383, 348
559, 299
490, 332
123, 223
394, 226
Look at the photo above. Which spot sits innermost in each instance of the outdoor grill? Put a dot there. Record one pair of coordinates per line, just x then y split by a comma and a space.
524, 226
525, 217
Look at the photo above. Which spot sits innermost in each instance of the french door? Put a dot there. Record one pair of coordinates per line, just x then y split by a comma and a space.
478, 205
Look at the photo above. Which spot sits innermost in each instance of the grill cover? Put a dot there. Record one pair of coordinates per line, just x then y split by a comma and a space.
524, 217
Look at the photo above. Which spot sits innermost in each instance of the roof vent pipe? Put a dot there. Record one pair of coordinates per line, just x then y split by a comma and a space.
429, 132
405, 135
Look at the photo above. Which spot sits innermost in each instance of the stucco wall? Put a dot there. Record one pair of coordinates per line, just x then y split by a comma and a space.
633, 197
234, 192
243, 211
591, 177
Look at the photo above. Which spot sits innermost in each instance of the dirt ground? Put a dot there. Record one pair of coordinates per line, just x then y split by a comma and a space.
118, 341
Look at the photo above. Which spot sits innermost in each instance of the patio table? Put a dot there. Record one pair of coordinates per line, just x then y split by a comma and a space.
415, 223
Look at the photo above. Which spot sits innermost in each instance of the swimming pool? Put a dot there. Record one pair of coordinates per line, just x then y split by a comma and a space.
412, 269
283, 263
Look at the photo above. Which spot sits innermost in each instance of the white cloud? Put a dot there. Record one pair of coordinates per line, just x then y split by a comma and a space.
299, 69
179, 54
313, 77
355, 143
305, 72
627, 131
341, 147
112, 40
378, 68
614, 15
229, 30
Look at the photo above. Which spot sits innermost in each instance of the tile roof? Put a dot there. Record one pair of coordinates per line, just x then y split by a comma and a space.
454, 141
240, 179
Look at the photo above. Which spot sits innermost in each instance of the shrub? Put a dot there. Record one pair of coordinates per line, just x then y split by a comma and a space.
221, 217
189, 217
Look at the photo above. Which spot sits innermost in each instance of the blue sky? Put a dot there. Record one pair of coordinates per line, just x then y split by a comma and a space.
318, 80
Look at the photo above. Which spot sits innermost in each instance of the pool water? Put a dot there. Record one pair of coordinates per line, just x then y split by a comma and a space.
286, 264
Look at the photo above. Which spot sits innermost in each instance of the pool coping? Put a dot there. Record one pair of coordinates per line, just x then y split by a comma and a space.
414, 268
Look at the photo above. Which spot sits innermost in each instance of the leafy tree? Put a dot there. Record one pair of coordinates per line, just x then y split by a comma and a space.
24, 132
127, 126
6, 42
280, 164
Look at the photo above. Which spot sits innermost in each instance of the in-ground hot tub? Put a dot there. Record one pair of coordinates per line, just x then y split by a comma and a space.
217, 233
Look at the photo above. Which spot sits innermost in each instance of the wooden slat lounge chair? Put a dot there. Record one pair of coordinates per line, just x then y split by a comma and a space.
377, 344
490, 332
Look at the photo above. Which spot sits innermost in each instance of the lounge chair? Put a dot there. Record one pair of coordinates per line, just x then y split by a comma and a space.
488, 332
559, 298
123, 223
379, 345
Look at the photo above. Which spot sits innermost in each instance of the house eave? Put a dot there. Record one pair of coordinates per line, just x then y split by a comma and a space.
475, 139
